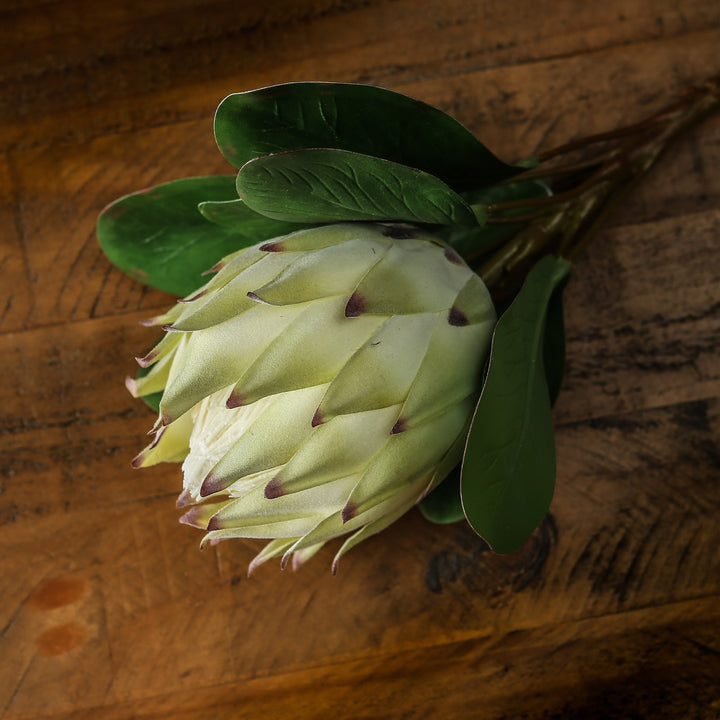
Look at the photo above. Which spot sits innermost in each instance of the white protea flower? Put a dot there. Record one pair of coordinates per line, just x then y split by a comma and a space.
319, 384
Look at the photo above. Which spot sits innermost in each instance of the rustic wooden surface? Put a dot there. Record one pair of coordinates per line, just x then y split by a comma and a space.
108, 610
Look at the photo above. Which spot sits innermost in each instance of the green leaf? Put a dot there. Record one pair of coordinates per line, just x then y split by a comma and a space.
158, 237
554, 343
322, 185
360, 118
236, 215
443, 504
508, 472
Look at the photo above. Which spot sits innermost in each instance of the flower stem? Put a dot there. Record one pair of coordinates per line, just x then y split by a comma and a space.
589, 187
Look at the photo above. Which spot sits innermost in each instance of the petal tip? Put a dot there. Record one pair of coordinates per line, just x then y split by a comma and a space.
318, 418
234, 401
400, 426
348, 512
274, 489
457, 317
184, 499
272, 247
355, 305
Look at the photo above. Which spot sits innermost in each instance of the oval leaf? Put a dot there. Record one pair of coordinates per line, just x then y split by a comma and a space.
508, 472
360, 118
158, 237
322, 185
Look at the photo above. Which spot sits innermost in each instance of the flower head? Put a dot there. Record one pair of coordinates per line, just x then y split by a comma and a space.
319, 385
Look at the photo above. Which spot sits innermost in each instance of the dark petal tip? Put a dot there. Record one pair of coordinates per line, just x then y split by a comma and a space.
191, 517
210, 486
348, 512
274, 489
457, 317
234, 401
215, 268
400, 232
214, 524
355, 305
400, 426
453, 257
254, 296
317, 418
146, 361
137, 461
196, 296
184, 499
272, 247
170, 328
165, 420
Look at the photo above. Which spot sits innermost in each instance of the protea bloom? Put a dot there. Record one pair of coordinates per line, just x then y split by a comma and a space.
319, 384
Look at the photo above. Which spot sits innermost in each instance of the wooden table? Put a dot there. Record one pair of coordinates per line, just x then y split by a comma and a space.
107, 608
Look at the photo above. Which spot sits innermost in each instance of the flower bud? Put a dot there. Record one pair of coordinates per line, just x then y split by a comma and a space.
319, 385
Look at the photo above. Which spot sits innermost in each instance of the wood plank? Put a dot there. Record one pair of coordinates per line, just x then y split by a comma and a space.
643, 317
15, 286
84, 56
152, 615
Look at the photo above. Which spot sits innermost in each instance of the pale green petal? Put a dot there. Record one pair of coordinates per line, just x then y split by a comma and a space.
414, 276
333, 526
296, 514
451, 370
323, 236
270, 439
216, 357
171, 444
275, 548
300, 557
372, 528
231, 299
334, 270
343, 446
382, 371
407, 456
310, 351
475, 303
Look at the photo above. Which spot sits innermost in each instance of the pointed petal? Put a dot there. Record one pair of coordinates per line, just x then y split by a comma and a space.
344, 446
413, 277
333, 525
171, 444
382, 371
231, 299
311, 350
216, 357
268, 440
365, 532
334, 270
408, 456
275, 548
445, 378
290, 515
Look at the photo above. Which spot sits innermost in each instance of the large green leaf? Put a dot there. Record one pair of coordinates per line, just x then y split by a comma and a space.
323, 185
361, 118
158, 236
508, 472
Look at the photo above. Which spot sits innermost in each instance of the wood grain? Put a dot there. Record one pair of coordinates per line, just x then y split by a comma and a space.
109, 611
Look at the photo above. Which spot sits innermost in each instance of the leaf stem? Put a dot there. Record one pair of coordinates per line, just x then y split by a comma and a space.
564, 223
